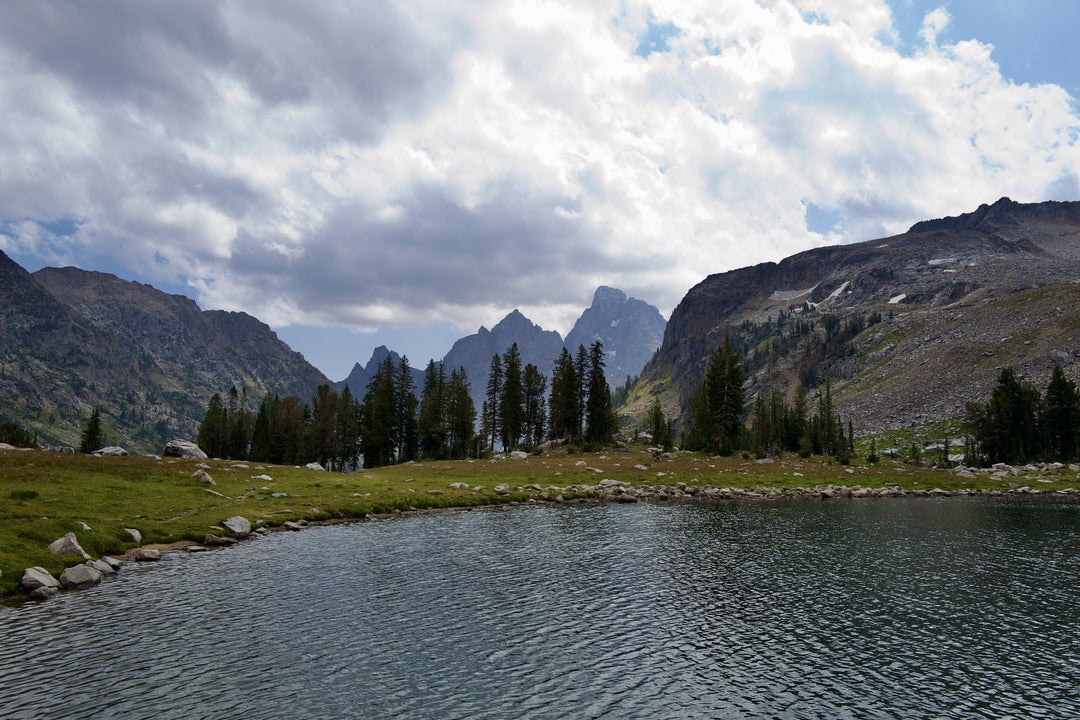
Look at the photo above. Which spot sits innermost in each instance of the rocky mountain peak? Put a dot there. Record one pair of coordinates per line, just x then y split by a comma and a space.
630, 331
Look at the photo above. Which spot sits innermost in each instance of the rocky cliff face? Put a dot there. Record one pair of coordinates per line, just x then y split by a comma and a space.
631, 331
473, 352
361, 375
958, 298
73, 340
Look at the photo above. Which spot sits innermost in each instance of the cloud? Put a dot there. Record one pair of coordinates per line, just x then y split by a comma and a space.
388, 164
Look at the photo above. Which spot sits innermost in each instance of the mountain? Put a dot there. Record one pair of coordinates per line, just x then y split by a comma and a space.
473, 352
361, 375
631, 331
909, 328
73, 340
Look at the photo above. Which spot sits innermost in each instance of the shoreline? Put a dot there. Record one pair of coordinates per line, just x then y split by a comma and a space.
604, 492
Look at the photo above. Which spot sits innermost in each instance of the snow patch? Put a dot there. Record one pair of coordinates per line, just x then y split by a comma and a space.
897, 298
836, 293
788, 295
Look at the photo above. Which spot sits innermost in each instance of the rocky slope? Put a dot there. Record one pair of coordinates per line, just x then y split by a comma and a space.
73, 340
957, 298
630, 329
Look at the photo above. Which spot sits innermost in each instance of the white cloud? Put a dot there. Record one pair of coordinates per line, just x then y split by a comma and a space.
376, 164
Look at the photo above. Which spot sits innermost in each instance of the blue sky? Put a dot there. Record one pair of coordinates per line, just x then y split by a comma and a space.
395, 173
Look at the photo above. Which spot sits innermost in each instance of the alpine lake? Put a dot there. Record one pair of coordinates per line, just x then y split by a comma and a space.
929, 607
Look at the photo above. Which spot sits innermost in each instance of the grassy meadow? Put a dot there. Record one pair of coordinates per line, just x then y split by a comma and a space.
44, 495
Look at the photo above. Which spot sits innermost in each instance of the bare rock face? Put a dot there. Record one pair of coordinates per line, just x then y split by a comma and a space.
183, 449
630, 331
68, 545
78, 577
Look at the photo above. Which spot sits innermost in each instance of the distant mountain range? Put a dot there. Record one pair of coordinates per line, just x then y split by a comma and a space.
908, 328
629, 329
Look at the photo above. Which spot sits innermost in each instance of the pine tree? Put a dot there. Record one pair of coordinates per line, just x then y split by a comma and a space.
1061, 417
405, 407
600, 421
347, 452
494, 400
717, 407
659, 427
534, 386
562, 407
379, 417
432, 419
213, 430
92, 438
512, 401
460, 414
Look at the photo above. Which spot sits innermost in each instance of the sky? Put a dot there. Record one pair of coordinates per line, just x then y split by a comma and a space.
380, 172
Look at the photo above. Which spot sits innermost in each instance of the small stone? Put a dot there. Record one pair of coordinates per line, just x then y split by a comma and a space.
135, 534
502, 489
217, 541
203, 477
102, 567
146, 554
44, 593
315, 466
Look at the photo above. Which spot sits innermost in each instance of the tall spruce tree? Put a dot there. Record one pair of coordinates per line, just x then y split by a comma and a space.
92, 437
379, 417
494, 400
1061, 417
563, 405
534, 390
717, 407
432, 419
512, 399
599, 418
460, 414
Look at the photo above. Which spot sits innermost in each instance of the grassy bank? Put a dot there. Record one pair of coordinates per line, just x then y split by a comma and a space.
44, 495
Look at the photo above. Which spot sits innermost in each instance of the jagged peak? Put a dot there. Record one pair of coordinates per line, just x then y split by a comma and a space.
606, 295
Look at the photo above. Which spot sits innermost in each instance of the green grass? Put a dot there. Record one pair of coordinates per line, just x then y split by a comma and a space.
44, 495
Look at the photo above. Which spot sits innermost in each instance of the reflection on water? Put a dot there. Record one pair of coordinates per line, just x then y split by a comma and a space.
957, 607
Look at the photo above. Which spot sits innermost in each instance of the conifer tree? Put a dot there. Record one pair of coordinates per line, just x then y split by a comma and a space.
460, 414
92, 438
1061, 417
512, 399
213, 430
494, 400
600, 421
534, 386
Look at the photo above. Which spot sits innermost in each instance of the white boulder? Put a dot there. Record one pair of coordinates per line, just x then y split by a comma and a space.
183, 449
238, 525
38, 577
68, 545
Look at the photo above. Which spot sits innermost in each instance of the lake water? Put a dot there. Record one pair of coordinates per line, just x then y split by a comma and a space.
885, 608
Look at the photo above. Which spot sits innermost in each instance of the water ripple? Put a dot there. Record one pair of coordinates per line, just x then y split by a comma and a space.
958, 608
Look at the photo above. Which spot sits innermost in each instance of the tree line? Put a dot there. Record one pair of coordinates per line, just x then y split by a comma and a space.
390, 424
718, 409
1018, 424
